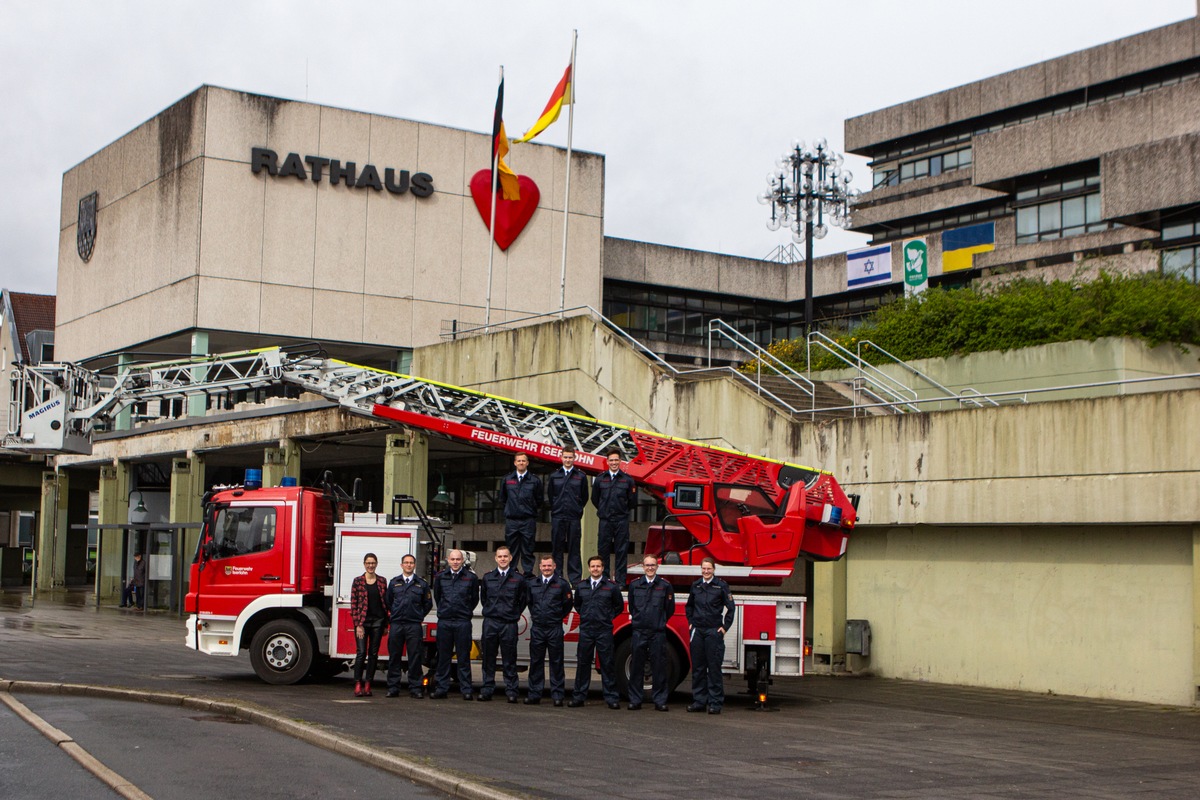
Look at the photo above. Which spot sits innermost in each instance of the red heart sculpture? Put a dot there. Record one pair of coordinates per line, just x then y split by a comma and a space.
511, 215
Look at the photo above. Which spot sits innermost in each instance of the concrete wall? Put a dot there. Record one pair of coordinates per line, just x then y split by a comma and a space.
661, 265
1047, 366
188, 236
1086, 134
1094, 65
1096, 610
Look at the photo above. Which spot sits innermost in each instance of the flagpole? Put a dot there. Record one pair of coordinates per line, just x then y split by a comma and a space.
562, 283
487, 310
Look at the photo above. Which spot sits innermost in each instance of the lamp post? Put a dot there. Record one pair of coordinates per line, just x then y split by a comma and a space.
807, 189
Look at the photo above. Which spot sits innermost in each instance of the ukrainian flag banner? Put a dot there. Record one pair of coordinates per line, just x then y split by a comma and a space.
869, 266
960, 245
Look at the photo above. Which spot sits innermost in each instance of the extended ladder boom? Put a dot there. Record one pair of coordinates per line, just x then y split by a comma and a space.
753, 513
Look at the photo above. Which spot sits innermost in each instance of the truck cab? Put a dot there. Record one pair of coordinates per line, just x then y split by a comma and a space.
260, 577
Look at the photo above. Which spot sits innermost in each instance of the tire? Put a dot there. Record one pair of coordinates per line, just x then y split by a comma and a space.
282, 652
623, 655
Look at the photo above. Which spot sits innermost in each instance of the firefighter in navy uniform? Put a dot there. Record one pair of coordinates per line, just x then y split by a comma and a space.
613, 494
598, 601
710, 612
456, 590
504, 595
549, 602
521, 498
651, 604
567, 497
408, 599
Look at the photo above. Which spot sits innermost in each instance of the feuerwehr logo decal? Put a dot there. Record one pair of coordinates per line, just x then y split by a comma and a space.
85, 236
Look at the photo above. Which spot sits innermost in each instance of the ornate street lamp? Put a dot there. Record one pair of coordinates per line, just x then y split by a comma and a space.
808, 189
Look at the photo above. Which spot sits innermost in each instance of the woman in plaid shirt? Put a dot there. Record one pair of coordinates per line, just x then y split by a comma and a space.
369, 612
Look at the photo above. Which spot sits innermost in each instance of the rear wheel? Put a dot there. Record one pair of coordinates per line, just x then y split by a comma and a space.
282, 652
676, 670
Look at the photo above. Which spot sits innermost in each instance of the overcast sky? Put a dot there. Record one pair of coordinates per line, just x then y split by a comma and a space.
690, 102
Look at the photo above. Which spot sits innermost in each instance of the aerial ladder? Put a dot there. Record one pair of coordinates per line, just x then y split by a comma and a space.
753, 515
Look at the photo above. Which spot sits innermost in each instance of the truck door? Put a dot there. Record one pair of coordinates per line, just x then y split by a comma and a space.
249, 548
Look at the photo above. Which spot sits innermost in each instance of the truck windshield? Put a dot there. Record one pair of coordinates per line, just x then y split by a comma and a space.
237, 531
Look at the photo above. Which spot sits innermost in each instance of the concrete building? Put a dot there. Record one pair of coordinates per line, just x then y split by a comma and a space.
1086, 161
1050, 547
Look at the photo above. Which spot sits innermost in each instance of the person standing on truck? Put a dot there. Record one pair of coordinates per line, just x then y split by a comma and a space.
613, 494
367, 609
134, 594
710, 610
567, 497
549, 602
521, 498
504, 595
651, 604
598, 601
456, 591
409, 600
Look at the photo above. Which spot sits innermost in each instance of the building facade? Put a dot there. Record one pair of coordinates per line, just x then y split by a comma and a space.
1082, 162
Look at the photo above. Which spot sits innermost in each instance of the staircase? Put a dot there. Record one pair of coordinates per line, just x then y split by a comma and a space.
830, 399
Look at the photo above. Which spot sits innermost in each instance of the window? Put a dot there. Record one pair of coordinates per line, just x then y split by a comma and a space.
1128, 86
1059, 208
922, 168
1182, 262
238, 531
940, 222
735, 502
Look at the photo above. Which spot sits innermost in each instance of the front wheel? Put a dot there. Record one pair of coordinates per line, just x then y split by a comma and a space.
281, 652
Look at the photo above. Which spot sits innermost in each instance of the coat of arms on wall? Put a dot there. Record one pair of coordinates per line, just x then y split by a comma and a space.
85, 235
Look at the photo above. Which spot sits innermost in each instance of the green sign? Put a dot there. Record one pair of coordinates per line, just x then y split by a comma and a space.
916, 266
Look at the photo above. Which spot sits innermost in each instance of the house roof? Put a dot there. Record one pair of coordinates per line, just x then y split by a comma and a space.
31, 312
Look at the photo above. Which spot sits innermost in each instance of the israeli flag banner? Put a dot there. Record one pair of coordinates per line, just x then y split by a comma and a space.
869, 266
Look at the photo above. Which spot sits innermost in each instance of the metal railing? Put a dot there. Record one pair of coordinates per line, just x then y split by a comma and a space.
968, 396
889, 395
1020, 395
871, 381
636, 344
761, 358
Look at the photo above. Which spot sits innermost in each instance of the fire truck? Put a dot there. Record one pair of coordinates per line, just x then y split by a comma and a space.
273, 567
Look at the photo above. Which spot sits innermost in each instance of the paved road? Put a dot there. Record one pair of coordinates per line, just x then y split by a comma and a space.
831, 737
32, 767
174, 753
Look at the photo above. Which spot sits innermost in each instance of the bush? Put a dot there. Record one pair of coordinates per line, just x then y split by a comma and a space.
1024, 313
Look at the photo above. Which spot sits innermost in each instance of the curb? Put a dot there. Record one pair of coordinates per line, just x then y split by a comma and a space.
452, 785
107, 776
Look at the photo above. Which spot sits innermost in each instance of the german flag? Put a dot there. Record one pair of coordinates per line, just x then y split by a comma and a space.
510, 189
561, 97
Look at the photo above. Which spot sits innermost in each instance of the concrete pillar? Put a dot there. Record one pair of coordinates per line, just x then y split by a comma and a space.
113, 510
52, 533
187, 490
122, 422
281, 462
197, 405
406, 467
828, 598
404, 358
1196, 611
589, 535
